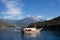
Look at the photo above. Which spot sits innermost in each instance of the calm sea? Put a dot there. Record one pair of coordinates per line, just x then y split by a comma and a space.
10, 34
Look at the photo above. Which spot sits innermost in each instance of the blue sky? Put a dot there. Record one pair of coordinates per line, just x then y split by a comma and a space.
19, 9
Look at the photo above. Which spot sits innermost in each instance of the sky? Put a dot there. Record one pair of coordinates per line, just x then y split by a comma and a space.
19, 9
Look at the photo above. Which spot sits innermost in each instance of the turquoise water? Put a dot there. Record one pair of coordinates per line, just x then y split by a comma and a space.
17, 35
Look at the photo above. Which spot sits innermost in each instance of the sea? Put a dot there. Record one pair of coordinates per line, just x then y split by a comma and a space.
16, 34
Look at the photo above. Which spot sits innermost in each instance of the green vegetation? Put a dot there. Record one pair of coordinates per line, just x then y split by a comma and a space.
53, 24
4, 24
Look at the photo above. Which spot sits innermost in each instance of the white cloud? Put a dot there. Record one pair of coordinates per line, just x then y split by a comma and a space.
14, 9
7, 17
28, 15
39, 16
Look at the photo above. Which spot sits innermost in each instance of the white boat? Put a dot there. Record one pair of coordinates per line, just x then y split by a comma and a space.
31, 30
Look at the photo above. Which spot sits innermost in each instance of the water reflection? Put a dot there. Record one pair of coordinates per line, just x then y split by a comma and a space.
31, 35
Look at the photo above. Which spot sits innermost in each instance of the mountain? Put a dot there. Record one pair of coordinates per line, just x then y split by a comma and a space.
5, 24
10, 21
53, 24
26, 21
41, 20
55, 19
23, 22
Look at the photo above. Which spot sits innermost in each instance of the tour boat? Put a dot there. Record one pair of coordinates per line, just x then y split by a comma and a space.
31, 30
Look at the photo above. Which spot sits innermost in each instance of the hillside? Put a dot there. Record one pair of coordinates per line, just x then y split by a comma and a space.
26, 21
11, 23
30, 22
50, 24
4, 24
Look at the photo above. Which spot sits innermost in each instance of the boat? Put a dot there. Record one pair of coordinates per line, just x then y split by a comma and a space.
31, 30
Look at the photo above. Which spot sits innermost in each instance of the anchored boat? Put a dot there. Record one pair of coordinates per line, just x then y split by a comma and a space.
31, 30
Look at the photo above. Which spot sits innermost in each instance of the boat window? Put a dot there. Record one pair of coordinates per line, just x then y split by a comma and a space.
29, 30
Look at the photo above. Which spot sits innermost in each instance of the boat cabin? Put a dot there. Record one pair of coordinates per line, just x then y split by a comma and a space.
29, 29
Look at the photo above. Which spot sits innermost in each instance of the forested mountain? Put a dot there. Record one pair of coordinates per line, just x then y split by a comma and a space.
4, 24
50, 24
30, 22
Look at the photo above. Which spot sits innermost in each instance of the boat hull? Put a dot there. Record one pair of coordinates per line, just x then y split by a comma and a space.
35, 31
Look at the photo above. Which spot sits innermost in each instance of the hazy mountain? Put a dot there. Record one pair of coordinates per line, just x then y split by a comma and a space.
5, 24
23, 22
11, 21
26, 21
53, 24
